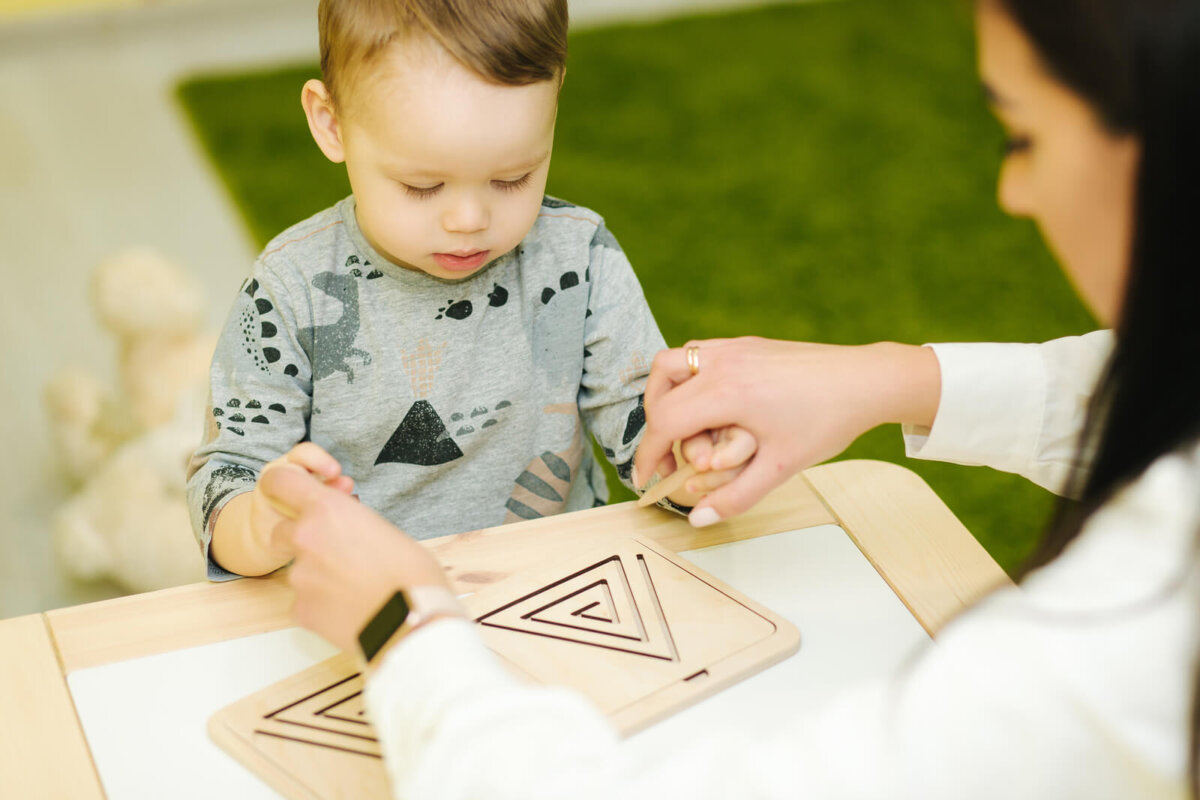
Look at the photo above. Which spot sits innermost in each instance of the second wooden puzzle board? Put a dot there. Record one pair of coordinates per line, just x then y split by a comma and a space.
630, 626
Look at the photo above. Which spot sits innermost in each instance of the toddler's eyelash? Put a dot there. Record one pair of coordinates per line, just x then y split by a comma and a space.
514, 186
1017, 144
421, 192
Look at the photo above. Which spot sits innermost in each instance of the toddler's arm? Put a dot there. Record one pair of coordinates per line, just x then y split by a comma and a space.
621, 340
260, 401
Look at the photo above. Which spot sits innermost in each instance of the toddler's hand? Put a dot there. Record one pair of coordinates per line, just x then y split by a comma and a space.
719, 457
265, 516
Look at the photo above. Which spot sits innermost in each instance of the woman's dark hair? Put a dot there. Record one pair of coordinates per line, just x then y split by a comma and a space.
1137, 63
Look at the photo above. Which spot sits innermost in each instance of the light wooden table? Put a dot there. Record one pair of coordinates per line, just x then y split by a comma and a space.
917, 545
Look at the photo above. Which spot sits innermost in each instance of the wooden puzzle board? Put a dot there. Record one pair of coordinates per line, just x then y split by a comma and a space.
637, 629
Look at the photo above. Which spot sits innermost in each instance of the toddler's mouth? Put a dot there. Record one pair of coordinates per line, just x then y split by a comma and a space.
463, 261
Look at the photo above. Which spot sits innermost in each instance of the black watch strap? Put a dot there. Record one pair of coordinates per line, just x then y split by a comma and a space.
383, 625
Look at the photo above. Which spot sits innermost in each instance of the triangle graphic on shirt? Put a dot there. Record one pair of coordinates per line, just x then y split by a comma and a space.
611, 604
420, 439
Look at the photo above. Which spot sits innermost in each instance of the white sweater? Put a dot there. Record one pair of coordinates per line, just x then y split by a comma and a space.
1076, 685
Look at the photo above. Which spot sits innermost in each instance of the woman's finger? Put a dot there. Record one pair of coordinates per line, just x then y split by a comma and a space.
689, 409
289, 488
671, 367
283, 536
764, 472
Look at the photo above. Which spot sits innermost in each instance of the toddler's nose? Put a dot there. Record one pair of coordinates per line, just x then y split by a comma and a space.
465, 215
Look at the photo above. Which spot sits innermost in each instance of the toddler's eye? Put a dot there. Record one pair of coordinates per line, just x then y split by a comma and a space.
421, 192
1017, 144
514, 186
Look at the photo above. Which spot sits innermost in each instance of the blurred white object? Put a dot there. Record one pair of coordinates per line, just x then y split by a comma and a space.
126, 450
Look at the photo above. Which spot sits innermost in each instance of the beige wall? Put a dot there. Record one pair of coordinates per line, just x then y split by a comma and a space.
581, 10
33, 7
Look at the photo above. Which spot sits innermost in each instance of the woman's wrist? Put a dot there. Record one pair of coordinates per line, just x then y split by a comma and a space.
406, 611
369, 667
909, 380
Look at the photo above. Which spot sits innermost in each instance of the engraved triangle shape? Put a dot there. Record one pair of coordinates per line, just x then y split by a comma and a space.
611, 604
595, 615
601, 610
330, 718
349, 709
575, 611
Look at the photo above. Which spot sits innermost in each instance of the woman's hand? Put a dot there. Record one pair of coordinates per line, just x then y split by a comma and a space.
348, 559
803, 403
730, 447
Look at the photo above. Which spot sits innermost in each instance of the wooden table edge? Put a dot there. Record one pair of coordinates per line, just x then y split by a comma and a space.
203, 613
890, 513
43, 752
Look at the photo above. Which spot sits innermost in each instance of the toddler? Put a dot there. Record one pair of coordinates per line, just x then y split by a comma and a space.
447, 336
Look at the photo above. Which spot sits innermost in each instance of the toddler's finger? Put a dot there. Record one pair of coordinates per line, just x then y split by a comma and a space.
343, 483
705, 482
698, 451
314, 459
734, 446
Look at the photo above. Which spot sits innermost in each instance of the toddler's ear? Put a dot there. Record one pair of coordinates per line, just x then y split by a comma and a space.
322, 120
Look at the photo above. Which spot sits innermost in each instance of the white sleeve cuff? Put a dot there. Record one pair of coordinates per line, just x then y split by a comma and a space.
429, 670
991, 409
430, 667
454, 723
1016, 407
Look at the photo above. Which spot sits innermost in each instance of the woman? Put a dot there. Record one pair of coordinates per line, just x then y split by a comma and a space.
1079, 684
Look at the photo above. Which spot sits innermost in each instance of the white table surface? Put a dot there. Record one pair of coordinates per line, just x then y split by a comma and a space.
145, 719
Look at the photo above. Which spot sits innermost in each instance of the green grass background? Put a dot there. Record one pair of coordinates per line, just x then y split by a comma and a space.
818, 171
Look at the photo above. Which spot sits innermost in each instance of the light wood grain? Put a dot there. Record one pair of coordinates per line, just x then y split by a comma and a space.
314, 771
686, 622
484, 557
170, 619
929, 558
42, 750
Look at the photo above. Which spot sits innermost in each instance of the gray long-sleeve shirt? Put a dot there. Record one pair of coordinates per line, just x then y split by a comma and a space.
454, 405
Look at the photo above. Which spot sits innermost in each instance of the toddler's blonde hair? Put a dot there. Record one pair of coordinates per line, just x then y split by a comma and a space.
508, 42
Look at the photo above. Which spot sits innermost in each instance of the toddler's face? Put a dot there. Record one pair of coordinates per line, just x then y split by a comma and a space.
448, 170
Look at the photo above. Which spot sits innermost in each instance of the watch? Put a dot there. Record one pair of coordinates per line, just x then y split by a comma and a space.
404, 612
